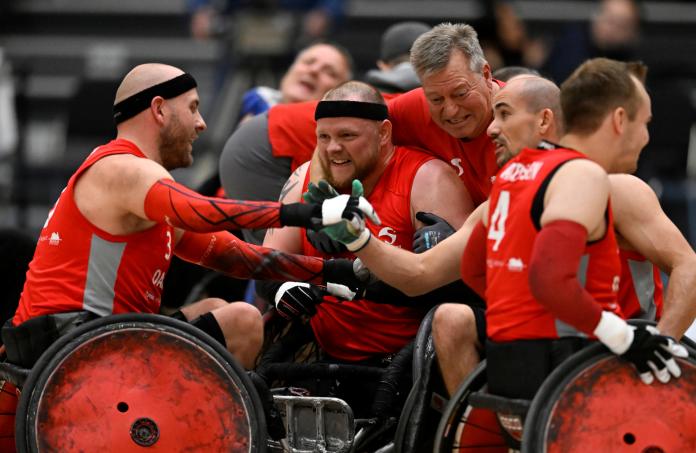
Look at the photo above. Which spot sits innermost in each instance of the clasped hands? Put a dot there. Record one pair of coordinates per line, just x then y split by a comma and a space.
343, 216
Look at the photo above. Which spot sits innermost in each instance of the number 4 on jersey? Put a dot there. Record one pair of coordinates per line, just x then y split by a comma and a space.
496, 230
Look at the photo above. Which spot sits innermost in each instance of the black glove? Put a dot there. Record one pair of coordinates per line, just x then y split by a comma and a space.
652, 353
346, 272
294, 299
324, 243
436, 231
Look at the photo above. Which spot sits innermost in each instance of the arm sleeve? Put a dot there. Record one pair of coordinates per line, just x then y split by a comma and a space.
553, 278
224, 252
473, 266
170, 202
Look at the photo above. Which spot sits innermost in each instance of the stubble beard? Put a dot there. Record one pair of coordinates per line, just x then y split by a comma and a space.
361, 172
174, 146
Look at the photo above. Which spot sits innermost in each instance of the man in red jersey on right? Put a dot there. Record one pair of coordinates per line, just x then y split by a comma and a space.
548, 249
638, 217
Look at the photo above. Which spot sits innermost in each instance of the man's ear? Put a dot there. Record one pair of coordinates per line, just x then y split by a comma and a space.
618, 120
487, 75
385, 133
157, 109
546, 119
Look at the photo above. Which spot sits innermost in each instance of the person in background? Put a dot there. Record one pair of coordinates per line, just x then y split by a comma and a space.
394, 73
613, 32
508, 72
316, 69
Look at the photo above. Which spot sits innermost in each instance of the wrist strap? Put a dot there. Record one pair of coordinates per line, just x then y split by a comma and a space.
360, 242
614, 332
298, 214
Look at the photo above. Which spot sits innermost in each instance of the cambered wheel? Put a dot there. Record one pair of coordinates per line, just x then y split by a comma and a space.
596, 402
128, 382
466, 429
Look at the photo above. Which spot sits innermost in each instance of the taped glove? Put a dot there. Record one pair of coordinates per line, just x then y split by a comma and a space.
352, 230
651, 353
322, 242
347, 207
436, 230
295, 299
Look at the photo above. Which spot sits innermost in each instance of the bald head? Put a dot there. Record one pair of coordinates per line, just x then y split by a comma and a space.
525, 111
144, 76
355, 91
538, 94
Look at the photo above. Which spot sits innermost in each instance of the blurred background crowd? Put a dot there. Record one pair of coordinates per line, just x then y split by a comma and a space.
60, 61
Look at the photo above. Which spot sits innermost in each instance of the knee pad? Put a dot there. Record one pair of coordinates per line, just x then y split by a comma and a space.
208, 324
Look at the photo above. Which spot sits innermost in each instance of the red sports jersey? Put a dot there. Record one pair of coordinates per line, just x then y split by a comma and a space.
77, 266
640, 290
292, 131
513, 223
474, 160
359, 329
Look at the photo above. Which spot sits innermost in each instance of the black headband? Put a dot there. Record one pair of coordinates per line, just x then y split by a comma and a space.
135, 104
353, 109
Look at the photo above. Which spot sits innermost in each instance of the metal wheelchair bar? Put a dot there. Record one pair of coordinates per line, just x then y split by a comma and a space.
497, 403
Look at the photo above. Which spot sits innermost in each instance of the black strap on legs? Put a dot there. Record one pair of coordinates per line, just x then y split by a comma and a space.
208, 324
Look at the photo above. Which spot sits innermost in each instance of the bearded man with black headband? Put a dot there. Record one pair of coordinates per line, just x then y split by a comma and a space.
354, 142
108, 241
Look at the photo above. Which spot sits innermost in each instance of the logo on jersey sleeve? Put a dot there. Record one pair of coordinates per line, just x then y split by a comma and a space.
457, 163
54, 239
388, 235
515, 265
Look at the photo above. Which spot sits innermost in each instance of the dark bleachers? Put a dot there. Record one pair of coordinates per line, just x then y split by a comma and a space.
53, 44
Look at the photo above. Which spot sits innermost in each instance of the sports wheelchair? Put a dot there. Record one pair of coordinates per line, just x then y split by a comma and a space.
399, 417
592, 402
128, 382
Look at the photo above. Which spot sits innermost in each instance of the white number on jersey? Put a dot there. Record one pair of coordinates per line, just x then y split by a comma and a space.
169, 246
496, 230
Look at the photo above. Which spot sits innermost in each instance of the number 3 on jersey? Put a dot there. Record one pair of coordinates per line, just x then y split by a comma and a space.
496, 230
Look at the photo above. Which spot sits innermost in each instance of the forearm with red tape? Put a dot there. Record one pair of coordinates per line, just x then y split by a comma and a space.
224, 252
553, 278
170, 202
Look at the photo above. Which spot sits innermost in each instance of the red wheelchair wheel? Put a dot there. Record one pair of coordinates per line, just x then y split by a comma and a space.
596, 402
466, 429
129, 382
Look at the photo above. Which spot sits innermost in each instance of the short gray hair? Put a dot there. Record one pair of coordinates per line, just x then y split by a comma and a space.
432, 50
